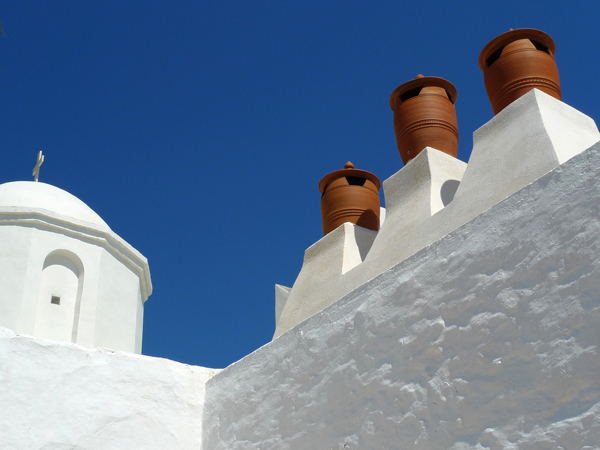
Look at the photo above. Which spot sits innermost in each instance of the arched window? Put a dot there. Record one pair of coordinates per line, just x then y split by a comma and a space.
57, 312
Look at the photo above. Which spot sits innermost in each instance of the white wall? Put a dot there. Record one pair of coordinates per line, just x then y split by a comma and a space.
14, 258
118, 302
483, 338
530, 137
102, 281
487, 338
57, 396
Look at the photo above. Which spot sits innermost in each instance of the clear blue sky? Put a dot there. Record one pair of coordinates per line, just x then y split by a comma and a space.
200, 130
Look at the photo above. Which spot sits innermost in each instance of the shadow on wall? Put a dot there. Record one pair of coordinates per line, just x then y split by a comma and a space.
448, 190
363, 242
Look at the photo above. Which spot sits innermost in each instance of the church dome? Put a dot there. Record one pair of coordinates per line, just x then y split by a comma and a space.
29, 195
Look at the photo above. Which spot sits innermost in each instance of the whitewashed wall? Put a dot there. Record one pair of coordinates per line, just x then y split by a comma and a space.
530, 137
487, 338
49, 249
58, 396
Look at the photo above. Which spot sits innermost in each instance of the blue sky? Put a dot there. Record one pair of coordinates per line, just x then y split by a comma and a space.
199, 131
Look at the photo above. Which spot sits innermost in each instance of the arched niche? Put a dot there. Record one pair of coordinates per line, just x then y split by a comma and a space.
59, 298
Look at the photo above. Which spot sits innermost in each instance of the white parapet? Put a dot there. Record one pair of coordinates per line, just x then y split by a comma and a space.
57, 395
526, 140
329, 259
413, 194
423, 187
435, 194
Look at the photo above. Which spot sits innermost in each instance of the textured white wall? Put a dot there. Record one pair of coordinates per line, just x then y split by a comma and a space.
487, 338
56, 396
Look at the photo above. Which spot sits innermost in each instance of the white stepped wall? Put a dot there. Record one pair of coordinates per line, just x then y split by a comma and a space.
58, 396
526, 140
487, 338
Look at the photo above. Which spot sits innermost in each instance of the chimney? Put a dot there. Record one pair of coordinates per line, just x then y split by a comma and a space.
350, 195
516, 62
424, 116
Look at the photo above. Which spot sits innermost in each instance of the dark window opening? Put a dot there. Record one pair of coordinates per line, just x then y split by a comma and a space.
494, 57
410, 94
356, 181
55, 300
540, 46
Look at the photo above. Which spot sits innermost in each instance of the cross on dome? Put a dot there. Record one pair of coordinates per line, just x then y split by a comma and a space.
38, 164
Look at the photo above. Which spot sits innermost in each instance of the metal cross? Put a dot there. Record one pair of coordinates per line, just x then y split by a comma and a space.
36, 169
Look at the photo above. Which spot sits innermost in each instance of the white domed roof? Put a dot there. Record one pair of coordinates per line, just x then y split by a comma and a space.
29, 195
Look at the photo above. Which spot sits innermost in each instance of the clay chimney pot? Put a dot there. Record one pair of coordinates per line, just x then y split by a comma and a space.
350, 195
424, 116
516, 62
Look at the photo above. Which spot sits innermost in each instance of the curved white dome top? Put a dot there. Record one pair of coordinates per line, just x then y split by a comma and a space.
29, 195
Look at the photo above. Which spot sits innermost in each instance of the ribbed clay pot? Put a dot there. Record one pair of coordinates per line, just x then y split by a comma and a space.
350, 195
424, 116
515, 63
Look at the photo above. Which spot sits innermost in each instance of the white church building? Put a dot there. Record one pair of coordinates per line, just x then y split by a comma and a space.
65, 275
470, 322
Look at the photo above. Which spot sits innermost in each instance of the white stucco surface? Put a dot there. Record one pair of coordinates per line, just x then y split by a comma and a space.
487, 338
526, 140
59, 396
327, 267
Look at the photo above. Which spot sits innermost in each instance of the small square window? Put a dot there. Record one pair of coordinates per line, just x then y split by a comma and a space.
55, 300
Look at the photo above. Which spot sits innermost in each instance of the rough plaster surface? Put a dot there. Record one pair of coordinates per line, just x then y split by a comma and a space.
530, 137
486, 339
59, 396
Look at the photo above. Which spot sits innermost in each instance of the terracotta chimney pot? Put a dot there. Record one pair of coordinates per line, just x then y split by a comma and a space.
516, 62
424, 116
350, 195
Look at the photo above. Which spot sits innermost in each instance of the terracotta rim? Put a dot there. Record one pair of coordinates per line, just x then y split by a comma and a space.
421, 83
348, 173
511, 36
